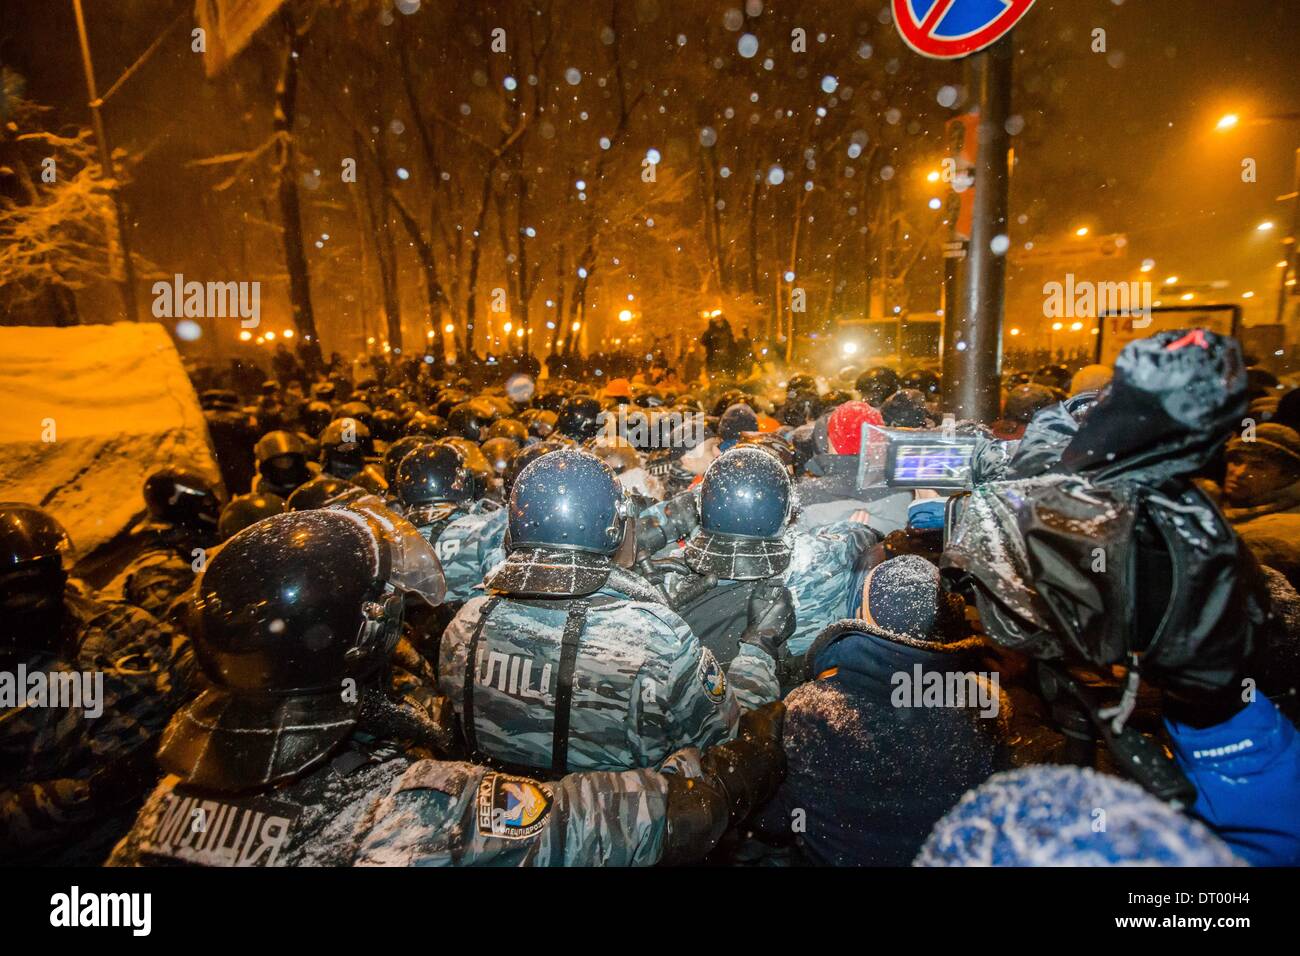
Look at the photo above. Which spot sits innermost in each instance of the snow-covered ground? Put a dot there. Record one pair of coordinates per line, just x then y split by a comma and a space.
86, 413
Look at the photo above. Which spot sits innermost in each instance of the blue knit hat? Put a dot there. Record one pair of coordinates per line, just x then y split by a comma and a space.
1068, 816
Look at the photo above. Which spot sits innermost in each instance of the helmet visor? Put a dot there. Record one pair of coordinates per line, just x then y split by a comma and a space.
413, 565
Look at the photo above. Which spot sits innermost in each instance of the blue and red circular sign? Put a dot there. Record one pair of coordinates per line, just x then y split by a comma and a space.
947, 29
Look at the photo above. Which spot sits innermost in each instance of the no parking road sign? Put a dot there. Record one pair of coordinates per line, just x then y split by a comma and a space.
947, 29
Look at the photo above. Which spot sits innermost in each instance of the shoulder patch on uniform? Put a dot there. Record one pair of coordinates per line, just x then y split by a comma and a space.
512, 808
712, 676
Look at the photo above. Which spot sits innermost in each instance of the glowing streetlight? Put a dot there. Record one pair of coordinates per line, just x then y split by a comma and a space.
245, 336
849, 348
1015, 331
1227, 121
1187, 297
625, 315
1076, 327
449, 328
1057, 326
1148, 265
1248, 295
270, 336
575, 326
1171, 280
1265, 226
932, 176
1081, 231
287, 333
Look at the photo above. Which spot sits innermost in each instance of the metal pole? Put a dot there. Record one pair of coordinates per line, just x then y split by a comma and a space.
1292, 260
978, 338
108, 168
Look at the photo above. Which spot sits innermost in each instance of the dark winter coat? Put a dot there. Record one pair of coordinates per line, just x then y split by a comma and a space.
869, 772
1272, 531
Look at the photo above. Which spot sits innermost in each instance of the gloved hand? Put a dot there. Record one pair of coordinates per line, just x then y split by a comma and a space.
771, 617
735, 778
674, 577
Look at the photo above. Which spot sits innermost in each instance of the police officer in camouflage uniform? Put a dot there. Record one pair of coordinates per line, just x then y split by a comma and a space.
572, 662
435, 491
282, 464
86, 687
299, 755
746, 542
171, 546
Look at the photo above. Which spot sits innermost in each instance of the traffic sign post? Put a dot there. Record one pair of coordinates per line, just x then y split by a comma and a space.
950, 29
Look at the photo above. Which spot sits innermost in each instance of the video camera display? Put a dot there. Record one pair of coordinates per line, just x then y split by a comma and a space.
914, 458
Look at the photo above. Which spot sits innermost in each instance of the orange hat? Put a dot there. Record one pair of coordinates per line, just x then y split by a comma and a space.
618, 388
766, 423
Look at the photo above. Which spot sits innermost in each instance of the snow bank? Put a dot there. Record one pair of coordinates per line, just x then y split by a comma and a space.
86, 413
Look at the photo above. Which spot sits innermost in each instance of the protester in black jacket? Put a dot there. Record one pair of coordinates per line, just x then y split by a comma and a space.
895, 723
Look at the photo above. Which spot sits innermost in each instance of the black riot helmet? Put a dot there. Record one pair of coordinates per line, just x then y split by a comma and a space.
552, 401
295, 618
469, 420
876, 384
801, 382
732, 396
344, 445
800, 408
182, 498
244, 510
475, 461
35, 553
923, 380
324, 392
387, 425
399, 450
511, 428
500, 452
745, 503
431, 426
527, 455
282, 459
314, 416
579, 418
358, 410
568, 518
433, 474
571, 501
321, 491
906, 408
539, 422
447, 399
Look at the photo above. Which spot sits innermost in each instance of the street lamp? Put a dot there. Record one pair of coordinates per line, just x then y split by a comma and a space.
1231, 120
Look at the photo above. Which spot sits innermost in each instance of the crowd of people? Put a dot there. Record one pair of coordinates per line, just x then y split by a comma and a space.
581, 613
